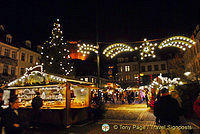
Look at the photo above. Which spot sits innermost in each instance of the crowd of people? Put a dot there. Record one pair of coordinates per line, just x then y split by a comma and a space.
168, 109
117, 97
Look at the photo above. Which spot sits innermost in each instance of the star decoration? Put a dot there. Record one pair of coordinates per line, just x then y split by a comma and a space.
147, 49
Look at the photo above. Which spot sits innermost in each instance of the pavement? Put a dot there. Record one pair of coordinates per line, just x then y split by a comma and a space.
122, 119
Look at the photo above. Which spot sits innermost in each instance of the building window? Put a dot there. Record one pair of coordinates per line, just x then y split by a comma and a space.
163, 67
121, 69
23, 57
7, 52
81, 78
5, 69
92, 80
120, 59
149, 68
13, 71
156, 68
14, 54
126, 59
134, 67
86, 79
127, 68
128, 77
31, 59
22, 71
143, 69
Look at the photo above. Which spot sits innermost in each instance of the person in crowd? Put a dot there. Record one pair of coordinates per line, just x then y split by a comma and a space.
37, 103
129, 98
120, 96
113, 98
167, 109
139, 98
1, 112
176, 96
123, 98
146, 98
196, 107
132, 96
106, 97
10, 117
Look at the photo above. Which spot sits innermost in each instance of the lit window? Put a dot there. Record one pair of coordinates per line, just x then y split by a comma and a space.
81, 78
92, 79
127, 68
128, 77
86, 79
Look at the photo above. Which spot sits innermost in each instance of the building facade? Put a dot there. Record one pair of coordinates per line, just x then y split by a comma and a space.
14, 59
93, 79
192, 57
139, 73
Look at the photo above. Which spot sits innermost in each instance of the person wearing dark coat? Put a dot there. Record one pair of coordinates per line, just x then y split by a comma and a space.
132, 96
36, 105
10, 117
167, 109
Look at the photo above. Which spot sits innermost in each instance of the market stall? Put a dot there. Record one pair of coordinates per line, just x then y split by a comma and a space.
158, 84
66, 101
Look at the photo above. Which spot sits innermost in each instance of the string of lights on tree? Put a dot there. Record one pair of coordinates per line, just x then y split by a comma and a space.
55, 52
87, 48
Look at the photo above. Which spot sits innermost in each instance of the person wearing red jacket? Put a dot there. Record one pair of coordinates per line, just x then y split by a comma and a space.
196, 106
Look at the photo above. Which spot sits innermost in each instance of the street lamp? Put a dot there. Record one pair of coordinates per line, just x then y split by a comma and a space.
86, 49
187, 73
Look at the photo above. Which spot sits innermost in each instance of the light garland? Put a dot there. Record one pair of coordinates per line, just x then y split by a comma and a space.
147, 49
115, 49
177, 41
86, 49
166, 80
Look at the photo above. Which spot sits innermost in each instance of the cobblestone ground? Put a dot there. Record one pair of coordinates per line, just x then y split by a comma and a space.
122, 119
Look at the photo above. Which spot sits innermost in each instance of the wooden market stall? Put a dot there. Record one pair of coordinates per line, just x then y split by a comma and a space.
65, 101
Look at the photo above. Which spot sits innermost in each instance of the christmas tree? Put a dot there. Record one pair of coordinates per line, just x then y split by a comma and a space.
55, 53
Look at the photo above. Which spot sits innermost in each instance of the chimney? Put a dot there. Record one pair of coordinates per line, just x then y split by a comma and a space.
8, 38
39, 48
28, 43
2, 28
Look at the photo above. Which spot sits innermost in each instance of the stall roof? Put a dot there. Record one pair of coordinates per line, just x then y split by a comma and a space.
33, 76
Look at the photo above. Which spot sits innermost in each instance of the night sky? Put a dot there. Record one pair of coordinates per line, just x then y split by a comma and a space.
118, 20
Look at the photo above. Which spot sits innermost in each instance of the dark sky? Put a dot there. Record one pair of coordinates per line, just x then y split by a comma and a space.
118, 20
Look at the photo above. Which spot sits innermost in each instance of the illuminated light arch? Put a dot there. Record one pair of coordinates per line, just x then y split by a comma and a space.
117, 48
177, 41
86, 49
